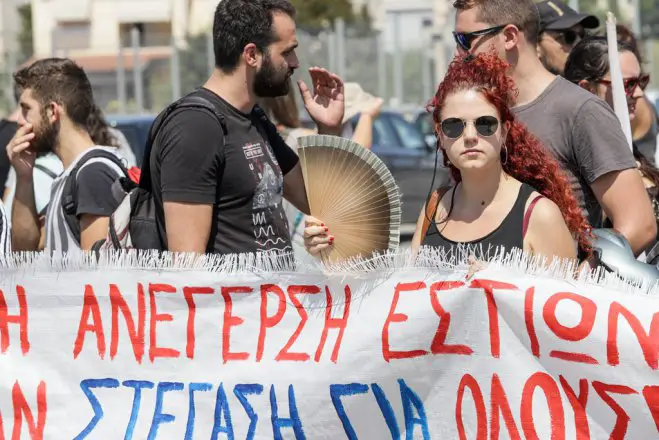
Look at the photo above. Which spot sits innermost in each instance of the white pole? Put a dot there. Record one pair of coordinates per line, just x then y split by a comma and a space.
574, 4
619, 98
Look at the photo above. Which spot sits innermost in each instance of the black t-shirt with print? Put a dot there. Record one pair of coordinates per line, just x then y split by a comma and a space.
7, 131
241, 174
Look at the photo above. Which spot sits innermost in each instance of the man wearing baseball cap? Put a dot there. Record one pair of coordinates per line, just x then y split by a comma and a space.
561, 27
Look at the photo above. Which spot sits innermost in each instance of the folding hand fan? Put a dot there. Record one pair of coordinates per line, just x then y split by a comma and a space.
353, 193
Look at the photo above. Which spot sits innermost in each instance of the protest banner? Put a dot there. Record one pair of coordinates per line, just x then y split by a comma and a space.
106, 351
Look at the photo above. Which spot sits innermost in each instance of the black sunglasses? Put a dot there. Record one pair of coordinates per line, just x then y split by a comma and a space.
569, 36
453, 128
465, 39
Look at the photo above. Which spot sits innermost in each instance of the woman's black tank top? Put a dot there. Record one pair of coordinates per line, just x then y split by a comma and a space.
509, 234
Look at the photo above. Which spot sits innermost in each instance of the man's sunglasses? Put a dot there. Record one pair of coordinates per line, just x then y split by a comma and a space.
453, 128
465, 39
630, 84
569, 36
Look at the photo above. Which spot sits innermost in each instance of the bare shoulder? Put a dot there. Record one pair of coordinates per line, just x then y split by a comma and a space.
545, 212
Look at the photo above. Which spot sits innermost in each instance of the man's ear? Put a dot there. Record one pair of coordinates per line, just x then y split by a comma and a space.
252, 55
511, 35
54, 112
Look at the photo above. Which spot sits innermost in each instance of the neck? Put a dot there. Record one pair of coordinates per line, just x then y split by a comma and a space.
480, 188
71, 143
531, 77
233, 88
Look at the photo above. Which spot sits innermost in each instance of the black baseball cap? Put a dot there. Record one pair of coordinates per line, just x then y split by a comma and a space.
556, 16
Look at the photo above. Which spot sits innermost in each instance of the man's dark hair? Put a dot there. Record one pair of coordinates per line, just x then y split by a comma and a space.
521, 13
240, 22
62, 81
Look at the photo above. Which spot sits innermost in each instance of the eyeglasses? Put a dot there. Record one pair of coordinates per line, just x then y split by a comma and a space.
569, 36
453, 128
465, 39
630, 84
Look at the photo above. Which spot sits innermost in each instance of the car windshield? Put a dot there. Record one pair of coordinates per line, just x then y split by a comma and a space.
408, 134
426, 123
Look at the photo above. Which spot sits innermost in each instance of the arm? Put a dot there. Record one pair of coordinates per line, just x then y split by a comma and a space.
95, 203
625, 201
190, 167
609, 167
363, 134
295, 190
417, 239
26, 231
547, 233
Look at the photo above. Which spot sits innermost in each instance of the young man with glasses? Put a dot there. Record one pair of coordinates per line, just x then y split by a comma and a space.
580, 129
561, 27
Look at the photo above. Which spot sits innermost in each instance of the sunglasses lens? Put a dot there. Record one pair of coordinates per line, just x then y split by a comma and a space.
463, 41
644, 81
486, 125
569, 37
452, 127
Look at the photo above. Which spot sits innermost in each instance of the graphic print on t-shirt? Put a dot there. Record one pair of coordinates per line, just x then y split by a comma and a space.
268, 219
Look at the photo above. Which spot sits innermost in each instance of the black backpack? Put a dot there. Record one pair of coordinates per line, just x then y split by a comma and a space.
133, 224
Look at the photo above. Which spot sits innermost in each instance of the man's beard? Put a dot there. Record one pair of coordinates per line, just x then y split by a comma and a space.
270, 82
550, 67
45, 137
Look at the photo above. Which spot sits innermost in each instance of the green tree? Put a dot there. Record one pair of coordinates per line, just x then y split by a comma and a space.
194, 62
317, 14
25, 41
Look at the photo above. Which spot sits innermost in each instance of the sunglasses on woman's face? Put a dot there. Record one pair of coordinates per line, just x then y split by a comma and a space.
453, 128
465, 39
630, 84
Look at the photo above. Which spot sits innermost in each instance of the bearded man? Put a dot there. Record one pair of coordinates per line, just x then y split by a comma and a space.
218, 179
56, 103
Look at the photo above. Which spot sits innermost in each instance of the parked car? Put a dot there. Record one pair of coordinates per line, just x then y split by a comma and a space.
136, 129
411, 160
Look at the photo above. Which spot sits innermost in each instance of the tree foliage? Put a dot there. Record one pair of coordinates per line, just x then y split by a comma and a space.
316, 14
25, 41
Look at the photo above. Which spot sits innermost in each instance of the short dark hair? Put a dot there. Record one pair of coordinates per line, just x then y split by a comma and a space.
589, 59
521, 13
240, 22
62, 81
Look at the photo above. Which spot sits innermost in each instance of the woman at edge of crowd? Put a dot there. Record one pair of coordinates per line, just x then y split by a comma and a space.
588, 66
508, 192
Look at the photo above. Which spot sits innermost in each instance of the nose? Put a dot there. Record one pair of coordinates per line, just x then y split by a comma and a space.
21, 119
638, 92
459, 51
470, 134
294, 62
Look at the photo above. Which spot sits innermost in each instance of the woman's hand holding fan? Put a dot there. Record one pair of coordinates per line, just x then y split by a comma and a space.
352, 194
316, 236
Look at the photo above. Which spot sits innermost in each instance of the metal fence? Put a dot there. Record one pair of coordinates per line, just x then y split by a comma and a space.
150, 70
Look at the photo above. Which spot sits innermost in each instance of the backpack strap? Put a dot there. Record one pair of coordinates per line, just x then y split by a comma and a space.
431, 208
45, 170
188, 101
70, 192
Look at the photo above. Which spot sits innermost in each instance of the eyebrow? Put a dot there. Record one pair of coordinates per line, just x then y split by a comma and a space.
292, 47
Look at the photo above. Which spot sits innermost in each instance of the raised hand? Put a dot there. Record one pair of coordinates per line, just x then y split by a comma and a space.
19, 153
326, 104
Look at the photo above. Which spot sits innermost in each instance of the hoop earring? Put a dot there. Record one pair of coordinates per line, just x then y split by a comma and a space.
505, 148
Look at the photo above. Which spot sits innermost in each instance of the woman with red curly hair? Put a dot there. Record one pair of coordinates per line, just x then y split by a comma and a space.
509, 192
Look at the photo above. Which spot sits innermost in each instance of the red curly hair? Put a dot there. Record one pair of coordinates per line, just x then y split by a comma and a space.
528, 160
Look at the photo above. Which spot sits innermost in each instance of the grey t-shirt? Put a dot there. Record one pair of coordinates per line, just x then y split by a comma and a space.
584, 135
